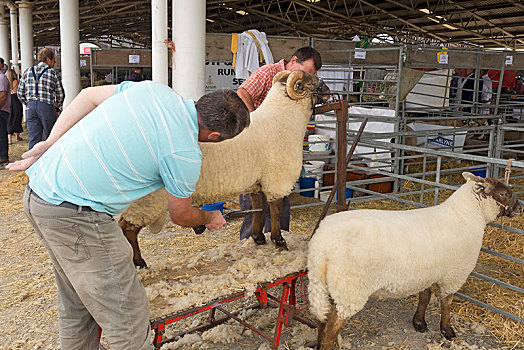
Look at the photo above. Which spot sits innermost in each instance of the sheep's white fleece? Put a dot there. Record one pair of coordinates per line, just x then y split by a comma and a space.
358, 253
266, 156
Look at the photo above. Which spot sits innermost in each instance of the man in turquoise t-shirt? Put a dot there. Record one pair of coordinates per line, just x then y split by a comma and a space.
110, 146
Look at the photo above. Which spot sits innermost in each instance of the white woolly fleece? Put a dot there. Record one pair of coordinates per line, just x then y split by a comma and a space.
266, 156
358, 253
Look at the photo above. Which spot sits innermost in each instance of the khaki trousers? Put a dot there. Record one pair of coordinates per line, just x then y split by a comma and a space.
95, 276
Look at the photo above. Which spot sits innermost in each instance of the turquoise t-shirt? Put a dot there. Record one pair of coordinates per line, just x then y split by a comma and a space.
137, 141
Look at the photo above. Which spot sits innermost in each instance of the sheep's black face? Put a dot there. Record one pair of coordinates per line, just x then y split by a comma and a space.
504, 196
321, 94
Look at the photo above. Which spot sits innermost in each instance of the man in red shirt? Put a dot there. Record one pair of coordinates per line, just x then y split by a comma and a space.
253, 91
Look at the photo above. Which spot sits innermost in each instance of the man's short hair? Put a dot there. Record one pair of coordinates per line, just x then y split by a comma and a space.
223, 111
45, 54
307, 52
1, 60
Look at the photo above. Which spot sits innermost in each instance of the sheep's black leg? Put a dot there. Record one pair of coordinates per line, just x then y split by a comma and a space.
445, 315
276, 237
331, 330
258, 218
320, 334
418, 319
131, 233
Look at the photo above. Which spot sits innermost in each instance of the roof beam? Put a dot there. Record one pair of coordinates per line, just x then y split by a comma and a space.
404, 21
486, 21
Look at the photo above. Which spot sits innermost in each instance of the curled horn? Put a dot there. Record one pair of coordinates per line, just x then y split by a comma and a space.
281, 75
295, 86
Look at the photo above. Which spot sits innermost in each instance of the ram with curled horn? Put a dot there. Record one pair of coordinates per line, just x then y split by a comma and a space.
263, 160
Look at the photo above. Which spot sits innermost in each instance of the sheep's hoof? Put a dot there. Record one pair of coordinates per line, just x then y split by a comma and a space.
420, 325
280, 243
313, 345
261, 239
140, 263
448, 332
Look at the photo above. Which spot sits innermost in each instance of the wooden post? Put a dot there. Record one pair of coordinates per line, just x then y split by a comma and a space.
342, 119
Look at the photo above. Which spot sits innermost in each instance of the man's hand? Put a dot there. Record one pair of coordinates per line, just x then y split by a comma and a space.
217, 221
29, 157
184, 214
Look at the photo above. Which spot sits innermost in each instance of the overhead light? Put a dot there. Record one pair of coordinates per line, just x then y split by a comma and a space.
241, 12
210, 20
449, 26
433, 19
313, 1
426, 11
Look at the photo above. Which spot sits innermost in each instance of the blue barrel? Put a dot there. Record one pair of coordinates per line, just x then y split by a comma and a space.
307, 182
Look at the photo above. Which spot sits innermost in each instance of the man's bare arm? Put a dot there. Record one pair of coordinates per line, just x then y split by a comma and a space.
87, 100
184, 214
246, 97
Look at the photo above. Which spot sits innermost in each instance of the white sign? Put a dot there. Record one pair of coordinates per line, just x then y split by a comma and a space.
83, 63
221, 75
360, 54
134, 58
509, 60
443, 58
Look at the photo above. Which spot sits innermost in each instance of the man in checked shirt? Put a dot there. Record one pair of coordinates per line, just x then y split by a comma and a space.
40, 89
253, 91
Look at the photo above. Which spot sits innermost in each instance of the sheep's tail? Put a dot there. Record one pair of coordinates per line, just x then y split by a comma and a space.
319, 299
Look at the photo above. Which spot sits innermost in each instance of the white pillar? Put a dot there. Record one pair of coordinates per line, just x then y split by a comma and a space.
14, 40
25, 10
189, 36
159, 34
4, 35
70, 52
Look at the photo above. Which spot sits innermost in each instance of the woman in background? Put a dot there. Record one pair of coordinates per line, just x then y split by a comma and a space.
14, 123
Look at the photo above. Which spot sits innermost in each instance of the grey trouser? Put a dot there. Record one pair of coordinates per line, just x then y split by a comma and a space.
95, 276
247, 224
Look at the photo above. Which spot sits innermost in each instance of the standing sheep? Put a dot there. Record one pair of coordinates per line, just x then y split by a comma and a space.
263, 160
356, 254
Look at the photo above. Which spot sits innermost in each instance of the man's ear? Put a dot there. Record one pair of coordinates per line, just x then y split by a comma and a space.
214, 136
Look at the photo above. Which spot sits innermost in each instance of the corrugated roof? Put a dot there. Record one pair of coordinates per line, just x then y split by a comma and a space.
486, 23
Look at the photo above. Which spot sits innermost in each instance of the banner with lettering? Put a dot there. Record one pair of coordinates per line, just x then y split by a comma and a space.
220, 75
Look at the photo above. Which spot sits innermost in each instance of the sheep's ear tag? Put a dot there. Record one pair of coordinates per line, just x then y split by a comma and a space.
469, 176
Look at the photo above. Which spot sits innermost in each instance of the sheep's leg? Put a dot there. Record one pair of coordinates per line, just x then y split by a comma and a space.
274, 210
321, 328
257, 199
418, 320
331, 330
131, 233
445, 315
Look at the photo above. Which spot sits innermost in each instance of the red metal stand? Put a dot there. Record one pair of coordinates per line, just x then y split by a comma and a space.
286, 305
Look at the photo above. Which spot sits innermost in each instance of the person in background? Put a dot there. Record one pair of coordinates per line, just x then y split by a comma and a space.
518, 89
487, 91
253, 91
14, 123
111, 146
5, 109
137, 75
40, 89
466, 94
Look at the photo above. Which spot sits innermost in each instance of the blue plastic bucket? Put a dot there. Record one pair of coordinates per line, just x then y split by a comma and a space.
307, 182
214, 206
349, 193
479, 172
